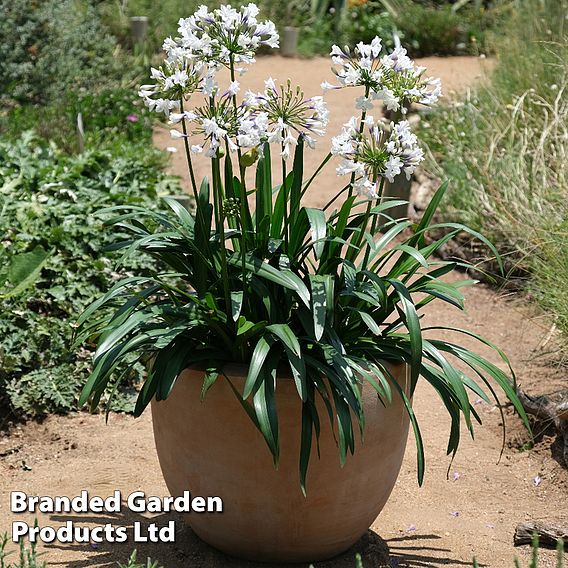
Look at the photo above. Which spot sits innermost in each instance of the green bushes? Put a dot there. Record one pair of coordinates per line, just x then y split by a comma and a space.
365, 20
505, 150
60, 45
47, 203
63, 61
424, 28
427, 29
111, 117
355, 22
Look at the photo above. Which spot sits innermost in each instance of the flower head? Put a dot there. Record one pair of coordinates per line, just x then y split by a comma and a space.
215, 124
360, 68
392, 78
403, 83
381, 151
207, 41
173, 81
281, 114
225, 36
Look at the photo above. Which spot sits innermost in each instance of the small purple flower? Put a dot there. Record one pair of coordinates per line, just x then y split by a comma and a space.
132, 118
411, 528
537, 480
456, 476
455, 513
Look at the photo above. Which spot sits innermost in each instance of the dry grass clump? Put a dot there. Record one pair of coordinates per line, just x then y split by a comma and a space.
505, 148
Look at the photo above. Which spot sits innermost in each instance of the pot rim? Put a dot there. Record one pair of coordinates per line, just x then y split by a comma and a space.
236, 370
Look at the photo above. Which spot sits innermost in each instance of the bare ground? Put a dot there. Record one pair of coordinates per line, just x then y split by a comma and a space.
449, 520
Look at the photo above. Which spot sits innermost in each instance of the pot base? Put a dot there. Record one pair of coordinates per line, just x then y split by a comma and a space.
212, 448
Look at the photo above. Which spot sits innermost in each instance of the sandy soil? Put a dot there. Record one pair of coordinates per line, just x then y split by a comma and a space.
444, 523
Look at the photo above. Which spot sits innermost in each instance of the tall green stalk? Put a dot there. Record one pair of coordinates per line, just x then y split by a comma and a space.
285, 203
361, 128
188, 152
243, 201
218, 197
376, 218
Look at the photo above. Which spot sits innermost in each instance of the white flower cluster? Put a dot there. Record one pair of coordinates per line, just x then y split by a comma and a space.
276, 115
392, 78
173, 81
380, 151
215, 124
225, 35
207, 42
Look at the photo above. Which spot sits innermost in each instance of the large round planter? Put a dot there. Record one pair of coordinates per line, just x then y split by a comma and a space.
211, 448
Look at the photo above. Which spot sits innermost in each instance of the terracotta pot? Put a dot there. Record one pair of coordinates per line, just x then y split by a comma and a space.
211, 448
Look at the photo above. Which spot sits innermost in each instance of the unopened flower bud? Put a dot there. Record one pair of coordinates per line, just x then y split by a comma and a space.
249, 158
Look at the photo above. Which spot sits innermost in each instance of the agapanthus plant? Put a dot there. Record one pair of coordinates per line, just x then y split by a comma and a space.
252, 276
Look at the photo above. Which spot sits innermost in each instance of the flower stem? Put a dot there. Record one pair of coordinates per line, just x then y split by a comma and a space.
374, 223
315, 174
285, 190
218, 193
361, 128
242, 173
188, 151
330, 202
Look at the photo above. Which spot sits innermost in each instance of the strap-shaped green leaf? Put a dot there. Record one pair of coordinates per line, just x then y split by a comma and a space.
428, 215
264, 404
412, 322
211, 375
316, 218
297, 181
294, 353
257, 362
236, 304
320, 286
285, 278
417, 434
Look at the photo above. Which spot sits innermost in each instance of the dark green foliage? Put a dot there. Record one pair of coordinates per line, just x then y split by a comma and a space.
49, 47
438, 30
365, 21
424, 28
47, 206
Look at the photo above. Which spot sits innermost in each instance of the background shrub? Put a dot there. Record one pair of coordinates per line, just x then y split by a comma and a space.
505, 146
51, 47
48, 202
111, 117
